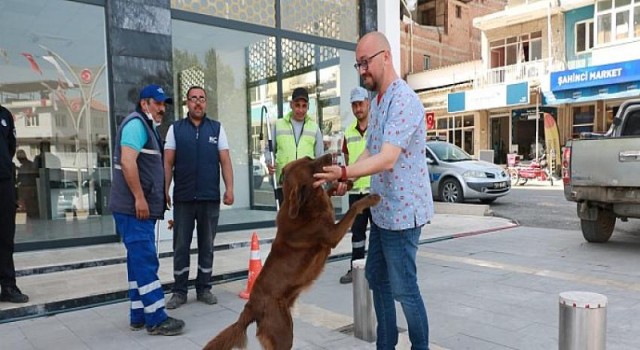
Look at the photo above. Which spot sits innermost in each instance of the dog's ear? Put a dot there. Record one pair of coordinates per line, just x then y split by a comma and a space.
297, 197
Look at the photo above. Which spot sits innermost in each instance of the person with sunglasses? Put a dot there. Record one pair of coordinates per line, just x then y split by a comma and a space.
196, 155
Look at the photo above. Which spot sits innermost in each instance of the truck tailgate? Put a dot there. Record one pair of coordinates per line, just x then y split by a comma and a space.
613, 162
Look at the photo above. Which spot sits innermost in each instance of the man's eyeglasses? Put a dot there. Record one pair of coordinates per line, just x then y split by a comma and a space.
196, 99
364, 64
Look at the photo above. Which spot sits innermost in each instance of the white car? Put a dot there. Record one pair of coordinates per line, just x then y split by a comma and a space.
457, 177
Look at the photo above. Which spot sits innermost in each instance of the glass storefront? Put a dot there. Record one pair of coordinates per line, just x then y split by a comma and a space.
53, 78
241, 70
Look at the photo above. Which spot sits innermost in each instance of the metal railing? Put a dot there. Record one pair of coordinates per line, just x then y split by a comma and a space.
531, 70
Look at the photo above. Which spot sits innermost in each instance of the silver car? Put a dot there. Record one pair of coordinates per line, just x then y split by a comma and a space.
456, 177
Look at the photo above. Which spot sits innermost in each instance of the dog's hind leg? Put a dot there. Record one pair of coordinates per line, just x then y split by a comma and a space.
275, 330
341, 228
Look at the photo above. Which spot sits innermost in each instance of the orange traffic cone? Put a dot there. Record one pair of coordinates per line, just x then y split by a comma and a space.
255, 265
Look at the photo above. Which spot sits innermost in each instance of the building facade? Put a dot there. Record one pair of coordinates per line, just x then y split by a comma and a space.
574, 60
70, 70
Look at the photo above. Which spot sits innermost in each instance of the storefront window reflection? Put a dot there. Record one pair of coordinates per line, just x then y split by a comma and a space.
221, 66
53, 80
251, 11
328, 19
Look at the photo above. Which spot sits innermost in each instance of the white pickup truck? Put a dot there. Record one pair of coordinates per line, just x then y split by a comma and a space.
601, 173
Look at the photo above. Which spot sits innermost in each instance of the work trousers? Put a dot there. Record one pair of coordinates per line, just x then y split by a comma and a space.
7, 232
185, 216
359, 228
145, 289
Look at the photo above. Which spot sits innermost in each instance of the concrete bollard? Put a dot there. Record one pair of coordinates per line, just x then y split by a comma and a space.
364, 318
583, 321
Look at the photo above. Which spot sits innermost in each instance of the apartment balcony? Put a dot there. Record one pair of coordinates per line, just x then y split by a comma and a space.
532, 71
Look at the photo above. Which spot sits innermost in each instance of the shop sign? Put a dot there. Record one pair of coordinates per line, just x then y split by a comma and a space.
608, 74
494, 96
530, 113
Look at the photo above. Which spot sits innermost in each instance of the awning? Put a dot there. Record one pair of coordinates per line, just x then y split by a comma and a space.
606, 92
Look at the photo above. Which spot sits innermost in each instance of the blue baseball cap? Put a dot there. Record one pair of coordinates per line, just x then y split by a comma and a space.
155, 92
359, 94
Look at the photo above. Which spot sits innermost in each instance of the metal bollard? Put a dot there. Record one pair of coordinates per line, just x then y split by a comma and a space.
364, 318
583, 321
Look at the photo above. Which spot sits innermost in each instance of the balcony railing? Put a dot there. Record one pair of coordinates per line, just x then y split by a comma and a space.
531, 70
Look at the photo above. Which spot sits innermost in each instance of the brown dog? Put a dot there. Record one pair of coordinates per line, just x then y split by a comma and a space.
306, 234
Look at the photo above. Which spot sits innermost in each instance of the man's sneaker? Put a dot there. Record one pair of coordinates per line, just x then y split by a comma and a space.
176, 300
170, 326
13, 294
346, 279
207, 298
136, 326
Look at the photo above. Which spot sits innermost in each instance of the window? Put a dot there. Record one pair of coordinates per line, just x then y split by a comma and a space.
457, 130
426, 62
617, 20
583, 117
584, 36
458, 11
511, 50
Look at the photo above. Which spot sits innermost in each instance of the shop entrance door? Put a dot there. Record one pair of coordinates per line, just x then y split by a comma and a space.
499, 138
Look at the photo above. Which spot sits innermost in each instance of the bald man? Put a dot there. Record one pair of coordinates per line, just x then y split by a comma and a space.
395, 159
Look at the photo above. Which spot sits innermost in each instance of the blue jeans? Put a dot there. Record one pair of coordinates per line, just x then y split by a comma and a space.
185, 215
391, 272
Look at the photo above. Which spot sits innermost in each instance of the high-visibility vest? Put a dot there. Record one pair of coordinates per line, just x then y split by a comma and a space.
356, 144
286, 148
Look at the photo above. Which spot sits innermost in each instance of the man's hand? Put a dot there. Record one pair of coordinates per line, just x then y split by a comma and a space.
228, 197
142, 209
331, 173
271, 169
167, 199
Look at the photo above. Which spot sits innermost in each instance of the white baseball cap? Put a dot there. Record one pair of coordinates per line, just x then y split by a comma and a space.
359, 94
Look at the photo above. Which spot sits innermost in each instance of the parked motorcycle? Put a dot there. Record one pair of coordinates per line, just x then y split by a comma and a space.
520, 173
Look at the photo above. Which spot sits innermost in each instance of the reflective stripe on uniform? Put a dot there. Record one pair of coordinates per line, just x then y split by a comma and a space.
154, 307
149, 287
205, 270
180, 272
358, 244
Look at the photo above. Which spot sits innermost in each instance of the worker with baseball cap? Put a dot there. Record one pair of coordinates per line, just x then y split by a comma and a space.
296, 136
355, 142
137, 202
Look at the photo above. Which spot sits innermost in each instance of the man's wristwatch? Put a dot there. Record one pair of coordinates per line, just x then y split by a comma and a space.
343, 176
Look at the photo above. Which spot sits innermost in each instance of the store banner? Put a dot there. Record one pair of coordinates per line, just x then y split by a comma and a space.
493, 96
608, 74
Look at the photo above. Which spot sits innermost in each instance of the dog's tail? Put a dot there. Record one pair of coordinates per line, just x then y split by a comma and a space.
234, 336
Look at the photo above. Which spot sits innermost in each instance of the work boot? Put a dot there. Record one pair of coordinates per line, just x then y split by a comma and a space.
170, 326
13, 294
346, 279
207, 298
176, 300
136, 326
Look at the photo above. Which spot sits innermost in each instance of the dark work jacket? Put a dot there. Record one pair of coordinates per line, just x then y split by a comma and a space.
196, 172
7, 145
150, 170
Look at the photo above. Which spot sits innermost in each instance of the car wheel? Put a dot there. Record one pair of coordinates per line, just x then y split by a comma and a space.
487, 200
257, 182
451, 191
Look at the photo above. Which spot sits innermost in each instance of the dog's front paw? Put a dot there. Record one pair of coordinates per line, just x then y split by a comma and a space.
369, 201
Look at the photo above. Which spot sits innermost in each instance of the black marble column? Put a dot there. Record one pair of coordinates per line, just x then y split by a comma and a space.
139, 50
368, 16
